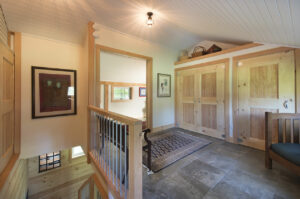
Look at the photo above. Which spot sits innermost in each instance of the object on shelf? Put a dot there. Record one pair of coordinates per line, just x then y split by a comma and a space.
198, 51
213, 49
183, 55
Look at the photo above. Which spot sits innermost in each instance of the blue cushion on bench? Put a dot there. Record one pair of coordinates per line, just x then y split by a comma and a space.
288, 151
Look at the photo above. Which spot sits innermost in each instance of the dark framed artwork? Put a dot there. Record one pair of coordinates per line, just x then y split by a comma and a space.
163, 85
142, 91
53, 92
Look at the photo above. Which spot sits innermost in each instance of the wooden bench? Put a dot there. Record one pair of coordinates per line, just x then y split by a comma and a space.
282, 140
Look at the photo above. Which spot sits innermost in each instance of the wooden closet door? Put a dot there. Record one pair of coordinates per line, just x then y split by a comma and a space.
7, 97
265, 84
210, 101
186, 100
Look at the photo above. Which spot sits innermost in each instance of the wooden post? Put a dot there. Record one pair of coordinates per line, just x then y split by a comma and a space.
106, 97
135, 161
297, 64
91, 63
17, 49
149, 92
91, 75
268, 139
88, 135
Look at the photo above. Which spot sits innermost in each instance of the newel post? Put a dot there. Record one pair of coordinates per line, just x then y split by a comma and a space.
268, 138
135, 161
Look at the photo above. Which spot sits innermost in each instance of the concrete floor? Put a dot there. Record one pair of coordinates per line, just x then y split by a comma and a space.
221, 170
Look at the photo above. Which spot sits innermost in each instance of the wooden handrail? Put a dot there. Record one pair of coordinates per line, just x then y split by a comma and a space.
115, 116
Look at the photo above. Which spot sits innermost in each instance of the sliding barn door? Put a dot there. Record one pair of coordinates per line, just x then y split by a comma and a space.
200, 100
186, 99
6, 104
265, 84
210, 98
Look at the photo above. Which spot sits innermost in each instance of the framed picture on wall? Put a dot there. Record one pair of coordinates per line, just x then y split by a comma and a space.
142, 91
163, 85
53, 92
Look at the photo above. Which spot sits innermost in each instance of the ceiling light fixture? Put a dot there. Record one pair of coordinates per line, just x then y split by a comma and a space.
150, 19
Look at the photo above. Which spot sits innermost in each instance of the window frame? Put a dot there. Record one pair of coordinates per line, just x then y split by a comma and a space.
121, 86
58, 154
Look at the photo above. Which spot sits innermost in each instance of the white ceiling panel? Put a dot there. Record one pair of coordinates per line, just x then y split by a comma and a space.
178, 23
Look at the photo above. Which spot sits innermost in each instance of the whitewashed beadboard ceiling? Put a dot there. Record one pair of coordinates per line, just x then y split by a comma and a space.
178, 23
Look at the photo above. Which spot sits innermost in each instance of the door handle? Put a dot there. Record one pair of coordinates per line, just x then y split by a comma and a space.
286, 104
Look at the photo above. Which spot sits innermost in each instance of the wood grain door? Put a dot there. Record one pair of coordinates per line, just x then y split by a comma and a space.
186, 100
7, 97
200, 100
210, 100
265, 84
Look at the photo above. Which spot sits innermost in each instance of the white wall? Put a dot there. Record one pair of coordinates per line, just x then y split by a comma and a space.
119, 68
39, 136
230, 56
163, 62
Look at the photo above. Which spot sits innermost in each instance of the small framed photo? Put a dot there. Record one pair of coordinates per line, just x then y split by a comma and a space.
53, 92
142, 91
163, 85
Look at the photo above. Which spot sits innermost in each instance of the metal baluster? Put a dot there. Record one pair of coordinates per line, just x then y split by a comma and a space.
117, 123
109, 140
104, 153
125, 170
95, 137
113, 158
120, 149
99, 137
102, 142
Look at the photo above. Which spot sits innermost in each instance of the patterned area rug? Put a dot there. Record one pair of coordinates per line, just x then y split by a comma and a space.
168, 147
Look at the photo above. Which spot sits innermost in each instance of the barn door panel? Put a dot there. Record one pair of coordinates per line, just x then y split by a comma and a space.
186, 95
265, 84
6, 105
210, 109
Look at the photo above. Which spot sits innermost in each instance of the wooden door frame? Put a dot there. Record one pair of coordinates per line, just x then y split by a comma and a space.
226, 91
149, 69
235, 61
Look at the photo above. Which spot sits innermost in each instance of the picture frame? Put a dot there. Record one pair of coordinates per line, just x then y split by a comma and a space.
54, 92
142, 91
163, 85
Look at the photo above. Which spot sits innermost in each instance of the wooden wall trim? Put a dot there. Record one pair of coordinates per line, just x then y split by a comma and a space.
106, 97
17, 49
5, 173
122, 52
91, 78
149, 93
122, 84
297, 62
91, 63
149, 77
98, 87
230, 50
235, 61
220, 61
227, 102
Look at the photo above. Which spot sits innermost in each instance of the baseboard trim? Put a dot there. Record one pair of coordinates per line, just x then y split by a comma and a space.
161, 128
